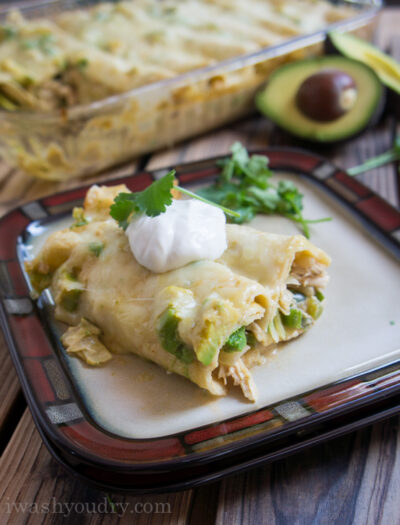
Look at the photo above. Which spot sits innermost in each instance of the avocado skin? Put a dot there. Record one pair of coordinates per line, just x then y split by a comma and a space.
391, 101
392, 106
329, 47
311, 135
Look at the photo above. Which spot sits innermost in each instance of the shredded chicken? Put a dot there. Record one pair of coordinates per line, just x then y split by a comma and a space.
241, 377
313, 275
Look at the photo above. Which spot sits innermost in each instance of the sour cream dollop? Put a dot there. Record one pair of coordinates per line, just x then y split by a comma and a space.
188, 231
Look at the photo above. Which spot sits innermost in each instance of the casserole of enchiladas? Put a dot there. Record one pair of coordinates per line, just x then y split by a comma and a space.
83, 55
87, 85
209, 321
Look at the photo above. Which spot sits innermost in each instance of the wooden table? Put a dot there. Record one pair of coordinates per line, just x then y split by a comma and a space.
352, 480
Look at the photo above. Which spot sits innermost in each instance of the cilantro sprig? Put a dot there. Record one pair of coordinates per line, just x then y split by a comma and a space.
244, 186
152, 201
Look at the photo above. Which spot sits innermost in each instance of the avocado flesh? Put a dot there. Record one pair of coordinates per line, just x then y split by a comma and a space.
169, 337
387, 69
278, 100
70, 291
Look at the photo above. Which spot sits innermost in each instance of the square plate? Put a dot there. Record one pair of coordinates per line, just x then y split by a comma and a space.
160, 432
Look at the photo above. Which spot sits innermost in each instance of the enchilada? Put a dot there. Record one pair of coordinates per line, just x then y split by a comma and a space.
209, 321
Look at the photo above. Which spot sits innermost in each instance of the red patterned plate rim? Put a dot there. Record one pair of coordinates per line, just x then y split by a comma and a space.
60, 414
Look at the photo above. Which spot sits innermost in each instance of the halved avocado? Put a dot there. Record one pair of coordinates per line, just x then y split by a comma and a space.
280, 102
386, 67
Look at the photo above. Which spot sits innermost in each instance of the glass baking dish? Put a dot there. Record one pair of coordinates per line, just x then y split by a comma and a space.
88, 138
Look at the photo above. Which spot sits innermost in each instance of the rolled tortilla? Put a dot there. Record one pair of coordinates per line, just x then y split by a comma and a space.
204, 321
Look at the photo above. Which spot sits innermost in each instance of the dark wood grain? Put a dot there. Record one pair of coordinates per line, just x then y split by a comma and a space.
35, 489
352, 480
11, 399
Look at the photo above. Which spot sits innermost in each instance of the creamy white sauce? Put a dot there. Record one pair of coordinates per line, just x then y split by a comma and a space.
188, 231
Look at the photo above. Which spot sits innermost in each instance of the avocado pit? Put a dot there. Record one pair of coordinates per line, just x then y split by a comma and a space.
323, 99
326, 95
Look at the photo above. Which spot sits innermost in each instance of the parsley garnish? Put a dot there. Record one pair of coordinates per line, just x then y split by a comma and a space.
152, 201
244, 186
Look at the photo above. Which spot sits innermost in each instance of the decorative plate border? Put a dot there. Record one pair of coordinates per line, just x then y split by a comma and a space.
180, 460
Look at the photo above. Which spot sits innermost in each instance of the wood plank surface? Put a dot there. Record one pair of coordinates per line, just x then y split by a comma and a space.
35, 489
12, 402
351, 480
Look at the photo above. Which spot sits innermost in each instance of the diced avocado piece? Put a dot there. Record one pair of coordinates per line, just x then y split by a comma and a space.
210, 344
314, 307
219, 319
293, 320
236, 341
251, 339
169, 337
71, 290
280, 99
70, 300
386, 67
39, 281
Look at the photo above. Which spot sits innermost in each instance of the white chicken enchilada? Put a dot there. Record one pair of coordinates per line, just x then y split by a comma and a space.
207, 320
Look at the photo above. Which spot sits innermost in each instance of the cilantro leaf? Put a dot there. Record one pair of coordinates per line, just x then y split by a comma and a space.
124, 206
156, 197
240, 157
246, 214
267, 199
152, 201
